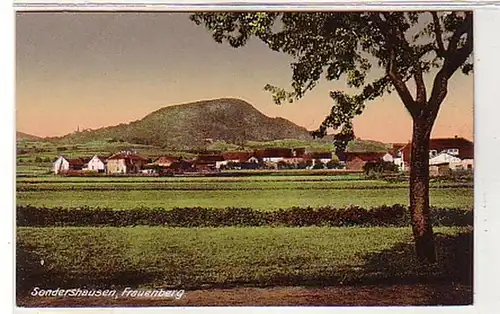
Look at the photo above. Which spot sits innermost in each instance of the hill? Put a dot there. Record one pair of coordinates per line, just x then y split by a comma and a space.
196, 125
359, 145
20, 136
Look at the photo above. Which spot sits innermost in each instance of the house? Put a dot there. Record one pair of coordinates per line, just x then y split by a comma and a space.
181, 166
397, 155
299, 152
253, 160
458, 147
165, 161
125, 162
444, 158
160, 165
356, 161
60, 165
324, 157
273, 154
313, 157
237, 158
63, 164
207, 162
97, 163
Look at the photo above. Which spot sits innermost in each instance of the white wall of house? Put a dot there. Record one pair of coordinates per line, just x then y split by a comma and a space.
463, 164
273, 159
219, 164
95, 164
388, 158
61, 164
444, 158
253, 160
325, 160
398, 161
116, 166
401, 161
468, 162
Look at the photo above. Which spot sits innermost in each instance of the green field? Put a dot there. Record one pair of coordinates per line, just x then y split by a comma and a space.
194, 257
260, 192
225, 257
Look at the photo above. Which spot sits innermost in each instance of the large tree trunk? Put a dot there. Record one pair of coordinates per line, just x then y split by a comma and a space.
419, 192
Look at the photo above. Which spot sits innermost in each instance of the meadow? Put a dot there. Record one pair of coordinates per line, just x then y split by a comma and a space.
260, 192
194, 258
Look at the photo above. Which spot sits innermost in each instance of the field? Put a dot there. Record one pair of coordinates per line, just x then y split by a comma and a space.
216, 264
262, 192
224, 257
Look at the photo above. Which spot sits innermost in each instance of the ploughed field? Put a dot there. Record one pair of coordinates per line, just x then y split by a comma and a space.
260, 192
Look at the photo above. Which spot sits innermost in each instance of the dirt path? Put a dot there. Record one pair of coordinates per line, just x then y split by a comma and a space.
421, 294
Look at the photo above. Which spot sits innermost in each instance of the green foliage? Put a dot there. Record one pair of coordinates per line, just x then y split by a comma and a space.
318, 164
334, 164
380, 167
458, 175
396, 215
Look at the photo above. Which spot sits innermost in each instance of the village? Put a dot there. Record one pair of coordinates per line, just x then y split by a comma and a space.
445, 154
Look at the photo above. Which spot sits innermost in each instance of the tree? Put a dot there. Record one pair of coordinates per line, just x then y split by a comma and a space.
401, 47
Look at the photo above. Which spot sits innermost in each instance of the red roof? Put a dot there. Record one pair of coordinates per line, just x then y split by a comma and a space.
299, 152
166, 159
320, 155
464, 146
102, 158
397, 147
76, 161
208, 158
241, 156
274, 152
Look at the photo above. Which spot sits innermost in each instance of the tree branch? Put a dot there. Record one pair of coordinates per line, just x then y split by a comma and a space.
465, 27
391, 71
441, 51
400, 85
456, 58
420, 85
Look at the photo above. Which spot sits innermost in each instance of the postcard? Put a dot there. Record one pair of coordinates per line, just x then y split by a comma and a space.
244, 158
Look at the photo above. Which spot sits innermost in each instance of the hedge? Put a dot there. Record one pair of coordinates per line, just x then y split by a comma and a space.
395, 216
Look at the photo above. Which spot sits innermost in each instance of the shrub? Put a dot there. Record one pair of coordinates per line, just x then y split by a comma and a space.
318, 164
458, 175
333, 164
380, 167
284, 165
395, 215
304, 164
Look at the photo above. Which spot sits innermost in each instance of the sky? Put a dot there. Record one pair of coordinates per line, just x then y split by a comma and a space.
90, 70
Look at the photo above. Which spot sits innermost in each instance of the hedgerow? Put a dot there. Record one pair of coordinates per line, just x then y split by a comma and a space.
395, 216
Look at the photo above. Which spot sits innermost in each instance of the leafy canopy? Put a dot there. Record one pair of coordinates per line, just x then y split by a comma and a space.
335, 45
